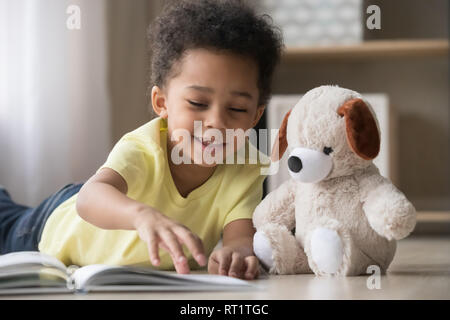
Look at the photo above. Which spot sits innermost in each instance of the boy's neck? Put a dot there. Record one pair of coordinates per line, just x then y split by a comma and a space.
187, 177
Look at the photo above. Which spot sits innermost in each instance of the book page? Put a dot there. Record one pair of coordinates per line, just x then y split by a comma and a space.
97, 276
82, 275
38, 277
213, 279
23, 258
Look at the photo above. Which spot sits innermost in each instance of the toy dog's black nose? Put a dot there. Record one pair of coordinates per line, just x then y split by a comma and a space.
295, 164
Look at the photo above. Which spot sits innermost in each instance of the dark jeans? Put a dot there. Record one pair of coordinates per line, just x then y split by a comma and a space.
21, 226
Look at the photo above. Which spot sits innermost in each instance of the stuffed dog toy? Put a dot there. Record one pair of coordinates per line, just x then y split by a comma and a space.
337, 215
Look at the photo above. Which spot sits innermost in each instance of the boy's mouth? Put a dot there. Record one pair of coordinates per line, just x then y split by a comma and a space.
206, 143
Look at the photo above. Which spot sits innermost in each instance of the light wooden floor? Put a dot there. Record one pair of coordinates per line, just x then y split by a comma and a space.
420, 270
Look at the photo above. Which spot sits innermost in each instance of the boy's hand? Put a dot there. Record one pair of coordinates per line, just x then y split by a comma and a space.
229, 262
158, 231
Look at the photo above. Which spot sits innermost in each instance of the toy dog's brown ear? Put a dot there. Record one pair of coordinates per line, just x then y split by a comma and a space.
361, 128
280, 144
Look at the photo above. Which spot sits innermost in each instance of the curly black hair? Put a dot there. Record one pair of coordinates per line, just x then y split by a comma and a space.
229, 25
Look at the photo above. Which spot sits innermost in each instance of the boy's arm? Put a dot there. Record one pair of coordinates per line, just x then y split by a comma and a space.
236, 257
238, 235
102, 201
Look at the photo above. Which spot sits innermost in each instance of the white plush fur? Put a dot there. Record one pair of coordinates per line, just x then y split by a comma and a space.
354, 203
263, 249
326, 250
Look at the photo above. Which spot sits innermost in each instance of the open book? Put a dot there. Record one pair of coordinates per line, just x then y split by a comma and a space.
28, 272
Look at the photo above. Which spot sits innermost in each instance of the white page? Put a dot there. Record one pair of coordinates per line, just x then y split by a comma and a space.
30, 257
34, 270
38, 277
185, 287
22, 291
213, 279
83, 276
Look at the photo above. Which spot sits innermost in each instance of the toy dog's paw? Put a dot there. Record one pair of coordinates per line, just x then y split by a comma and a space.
263, 249
400, 228
326, 251
400, 225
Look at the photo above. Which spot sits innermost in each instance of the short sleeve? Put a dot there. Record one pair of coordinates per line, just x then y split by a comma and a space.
246, 206
133, 160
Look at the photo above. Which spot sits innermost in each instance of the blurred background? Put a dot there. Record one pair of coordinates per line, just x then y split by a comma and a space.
68, 92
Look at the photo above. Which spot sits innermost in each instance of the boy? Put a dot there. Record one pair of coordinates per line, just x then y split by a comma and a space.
212, 62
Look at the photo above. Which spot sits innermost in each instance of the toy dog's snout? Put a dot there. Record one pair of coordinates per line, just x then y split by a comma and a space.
310, 166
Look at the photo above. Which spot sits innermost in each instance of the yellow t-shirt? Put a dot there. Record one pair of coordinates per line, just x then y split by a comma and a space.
140, 157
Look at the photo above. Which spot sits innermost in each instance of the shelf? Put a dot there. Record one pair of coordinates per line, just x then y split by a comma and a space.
433, 216
378, 49
432, 223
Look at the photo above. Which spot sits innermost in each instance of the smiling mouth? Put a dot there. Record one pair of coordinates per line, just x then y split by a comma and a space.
206, 143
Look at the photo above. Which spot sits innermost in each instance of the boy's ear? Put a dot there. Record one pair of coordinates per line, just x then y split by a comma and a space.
280, 145
159, 102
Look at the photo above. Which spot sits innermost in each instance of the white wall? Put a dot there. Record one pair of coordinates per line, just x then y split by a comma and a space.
54, 105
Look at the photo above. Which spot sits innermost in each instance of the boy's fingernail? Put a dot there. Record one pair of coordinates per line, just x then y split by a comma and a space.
181, 259
201, 259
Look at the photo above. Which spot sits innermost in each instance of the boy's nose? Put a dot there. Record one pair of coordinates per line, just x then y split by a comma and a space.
215, 120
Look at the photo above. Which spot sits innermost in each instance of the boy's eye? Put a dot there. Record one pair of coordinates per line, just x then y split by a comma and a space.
202, 105
197, 104
238, 110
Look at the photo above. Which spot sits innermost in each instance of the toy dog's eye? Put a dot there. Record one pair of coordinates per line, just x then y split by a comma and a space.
327, 150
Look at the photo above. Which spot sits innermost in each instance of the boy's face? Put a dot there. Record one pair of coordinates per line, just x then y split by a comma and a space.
220, 90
